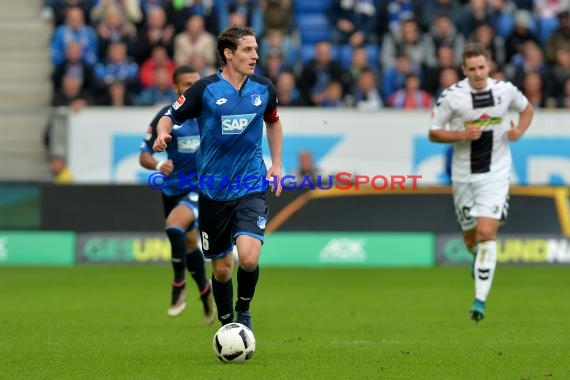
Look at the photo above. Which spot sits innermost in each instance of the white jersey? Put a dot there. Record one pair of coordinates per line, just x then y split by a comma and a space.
460, 105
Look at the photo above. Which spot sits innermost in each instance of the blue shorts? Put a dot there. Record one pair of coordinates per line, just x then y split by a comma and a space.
221, 222
190, 200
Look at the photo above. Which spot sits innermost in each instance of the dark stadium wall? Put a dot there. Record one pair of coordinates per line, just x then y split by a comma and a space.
138, 208
101, 208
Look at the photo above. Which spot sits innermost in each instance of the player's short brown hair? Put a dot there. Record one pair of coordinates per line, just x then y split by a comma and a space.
475, 49
229, 38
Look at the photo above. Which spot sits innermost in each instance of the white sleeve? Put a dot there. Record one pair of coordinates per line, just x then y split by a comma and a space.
442, 112
519, 101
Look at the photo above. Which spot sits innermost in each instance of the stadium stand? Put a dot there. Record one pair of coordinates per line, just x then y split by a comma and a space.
313, 27
25, 71
311, 6
25, 92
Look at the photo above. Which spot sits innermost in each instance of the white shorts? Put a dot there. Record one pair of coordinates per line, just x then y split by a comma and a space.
488, 199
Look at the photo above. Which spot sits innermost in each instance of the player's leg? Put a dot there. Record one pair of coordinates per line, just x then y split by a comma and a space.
176, 236
485, 263
249, 227
196, 266
184, 215
222, 287
249, 249
490, 208
463, 200
217, 245
470, 241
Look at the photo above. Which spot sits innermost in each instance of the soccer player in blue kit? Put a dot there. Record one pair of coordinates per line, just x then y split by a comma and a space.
180, 202
231, 107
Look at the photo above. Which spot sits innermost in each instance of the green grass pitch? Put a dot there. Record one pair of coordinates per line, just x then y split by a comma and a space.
109, 322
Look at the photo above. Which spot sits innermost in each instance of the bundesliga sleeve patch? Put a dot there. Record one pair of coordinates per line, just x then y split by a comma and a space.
179, 102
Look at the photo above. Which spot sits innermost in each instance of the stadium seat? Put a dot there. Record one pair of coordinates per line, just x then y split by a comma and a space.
311, 6
308, 52
505, 24
313, 28
345, 56
373, 52
546, 27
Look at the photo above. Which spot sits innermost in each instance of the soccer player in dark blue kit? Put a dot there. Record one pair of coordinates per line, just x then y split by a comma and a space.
180, 202
231, 107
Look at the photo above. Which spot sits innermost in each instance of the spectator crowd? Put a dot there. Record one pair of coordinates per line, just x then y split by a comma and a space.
363, 54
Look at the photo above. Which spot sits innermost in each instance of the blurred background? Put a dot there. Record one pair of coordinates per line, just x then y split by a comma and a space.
356, 80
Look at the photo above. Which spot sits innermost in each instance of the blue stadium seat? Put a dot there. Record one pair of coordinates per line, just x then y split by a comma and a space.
505, 24
313, 28
373, 52
345, 56
308, 52
546, 27
311, 6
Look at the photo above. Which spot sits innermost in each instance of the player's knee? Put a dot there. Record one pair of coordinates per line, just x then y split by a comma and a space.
222, 273
485, 233
248, 262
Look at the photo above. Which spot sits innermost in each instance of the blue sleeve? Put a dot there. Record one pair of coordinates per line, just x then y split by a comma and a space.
188, 105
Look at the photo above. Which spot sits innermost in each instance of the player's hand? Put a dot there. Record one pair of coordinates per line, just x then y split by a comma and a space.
167, 167
161, 143
274, 176
513, 134
472, 132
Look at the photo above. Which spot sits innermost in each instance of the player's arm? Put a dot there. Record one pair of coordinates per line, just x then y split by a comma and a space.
525, 117
441, 115
146, 158
163, 137
274, 131
147, 161
471, 132
275, 140
187, 106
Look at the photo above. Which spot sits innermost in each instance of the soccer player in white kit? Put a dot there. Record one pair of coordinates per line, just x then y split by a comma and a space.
473, 115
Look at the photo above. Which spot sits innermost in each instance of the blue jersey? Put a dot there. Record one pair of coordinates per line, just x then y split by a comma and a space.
230, 160
181, 150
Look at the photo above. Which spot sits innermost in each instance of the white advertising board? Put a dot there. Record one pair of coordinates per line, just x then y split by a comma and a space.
104, 145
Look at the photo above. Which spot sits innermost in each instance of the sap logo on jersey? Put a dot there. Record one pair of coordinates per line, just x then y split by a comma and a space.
236, 124
188, 144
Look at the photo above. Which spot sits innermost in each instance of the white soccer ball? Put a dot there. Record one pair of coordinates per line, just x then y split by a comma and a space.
234, 343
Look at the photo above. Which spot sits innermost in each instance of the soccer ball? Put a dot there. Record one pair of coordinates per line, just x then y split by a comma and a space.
234, 343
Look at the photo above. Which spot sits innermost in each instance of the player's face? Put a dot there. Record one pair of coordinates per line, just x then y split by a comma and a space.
185, 81
476, 69
244, 58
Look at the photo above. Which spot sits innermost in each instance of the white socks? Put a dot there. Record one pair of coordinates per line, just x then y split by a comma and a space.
485, 263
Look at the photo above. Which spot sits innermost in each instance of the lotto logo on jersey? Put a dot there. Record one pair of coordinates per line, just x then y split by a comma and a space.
179, 102
236, 124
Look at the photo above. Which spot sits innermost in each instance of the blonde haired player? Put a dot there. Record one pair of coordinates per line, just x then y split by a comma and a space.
472, 114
